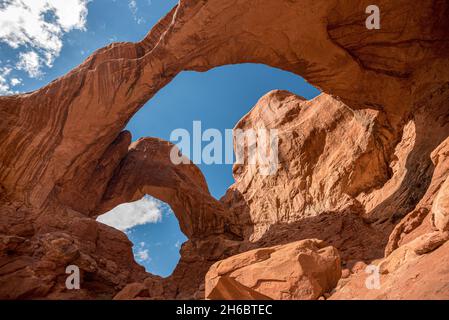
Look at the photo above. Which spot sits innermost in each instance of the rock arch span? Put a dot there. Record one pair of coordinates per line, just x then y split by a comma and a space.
64, 152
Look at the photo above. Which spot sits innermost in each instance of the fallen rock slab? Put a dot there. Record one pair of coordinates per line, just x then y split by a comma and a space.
302, 270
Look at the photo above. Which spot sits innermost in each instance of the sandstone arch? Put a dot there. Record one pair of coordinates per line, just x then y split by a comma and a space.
147, 169
62, 145
113, 83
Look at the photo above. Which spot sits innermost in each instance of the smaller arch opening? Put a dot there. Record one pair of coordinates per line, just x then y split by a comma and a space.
153, 228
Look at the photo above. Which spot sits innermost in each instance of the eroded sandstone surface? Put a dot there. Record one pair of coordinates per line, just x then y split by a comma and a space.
302, 270
364, 166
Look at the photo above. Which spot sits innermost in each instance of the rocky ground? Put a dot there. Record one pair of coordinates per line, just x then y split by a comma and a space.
362, 179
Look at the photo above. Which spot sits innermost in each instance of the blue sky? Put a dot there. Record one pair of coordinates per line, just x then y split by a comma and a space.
30, 58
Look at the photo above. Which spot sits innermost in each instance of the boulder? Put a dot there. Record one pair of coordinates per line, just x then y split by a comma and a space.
302, 270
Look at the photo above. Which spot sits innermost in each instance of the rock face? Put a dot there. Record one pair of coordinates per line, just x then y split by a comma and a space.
302, 270
415, 265
148, 169
328, 153
37, 249
406, 274
363, 166
440, 208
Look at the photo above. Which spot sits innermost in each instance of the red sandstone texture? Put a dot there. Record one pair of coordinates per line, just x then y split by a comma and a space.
363, 167
302, 270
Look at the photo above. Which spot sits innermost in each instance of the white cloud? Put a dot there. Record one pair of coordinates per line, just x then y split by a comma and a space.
40, 23
132, 4
4, 85
142, 255
29, 62
37, 27
128, 215
15, 82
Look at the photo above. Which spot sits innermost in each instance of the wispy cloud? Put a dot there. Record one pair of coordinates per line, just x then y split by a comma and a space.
142, 255
132, 4
29, 62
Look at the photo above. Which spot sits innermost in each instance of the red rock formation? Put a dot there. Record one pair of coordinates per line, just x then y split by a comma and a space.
415, 264
148, 169
302, 270
36, 248
440, 208
371, 152
328, 154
